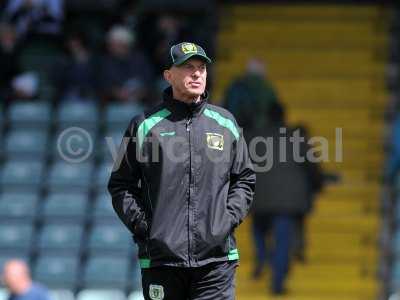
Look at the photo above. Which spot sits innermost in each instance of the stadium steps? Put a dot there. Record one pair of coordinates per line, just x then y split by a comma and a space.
327, 63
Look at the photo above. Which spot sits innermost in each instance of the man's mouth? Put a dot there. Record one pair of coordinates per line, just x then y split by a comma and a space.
195, 84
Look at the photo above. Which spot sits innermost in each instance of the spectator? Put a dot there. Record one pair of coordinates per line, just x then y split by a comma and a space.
18, 281
38, 17
281, 193
8, 59
316, 182
75, 77
250, 96
25, 86
124, 74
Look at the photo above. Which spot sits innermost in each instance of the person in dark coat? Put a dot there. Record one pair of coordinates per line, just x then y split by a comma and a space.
282, 192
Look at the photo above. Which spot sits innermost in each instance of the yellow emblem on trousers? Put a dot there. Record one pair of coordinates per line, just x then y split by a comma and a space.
189, 48
215, 141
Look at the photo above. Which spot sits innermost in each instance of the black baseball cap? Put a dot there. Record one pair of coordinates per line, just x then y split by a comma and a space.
183, 51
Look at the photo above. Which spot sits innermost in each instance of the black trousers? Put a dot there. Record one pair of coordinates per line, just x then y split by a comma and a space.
214, 281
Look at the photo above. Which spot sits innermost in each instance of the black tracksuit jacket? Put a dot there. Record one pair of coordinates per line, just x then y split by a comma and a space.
182, 183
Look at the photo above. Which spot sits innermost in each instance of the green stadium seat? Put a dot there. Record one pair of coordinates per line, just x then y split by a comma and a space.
100, 294
61, 238
57, 271
106, 272
21, 143
120, 114
18, 206
113, 238
65, 206
78, 113
20, 176
29, 114
16, 237
68, 176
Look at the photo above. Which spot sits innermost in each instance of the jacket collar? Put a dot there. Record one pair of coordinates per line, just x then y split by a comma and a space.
182, 108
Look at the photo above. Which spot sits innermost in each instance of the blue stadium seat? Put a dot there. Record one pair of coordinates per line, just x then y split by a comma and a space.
21, 143
78, 113
106, 272
21, 175
120, 114
62, 294
110, 238
74, 143
57, 271
102, 174
100, 294
71, 206
69, 176
16, 237
18, 206
29, 114
103, 210
61, 238
110, 141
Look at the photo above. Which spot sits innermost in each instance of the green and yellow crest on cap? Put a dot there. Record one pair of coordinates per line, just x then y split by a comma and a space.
189, 48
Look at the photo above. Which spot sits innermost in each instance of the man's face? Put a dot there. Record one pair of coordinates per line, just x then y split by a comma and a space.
189, 79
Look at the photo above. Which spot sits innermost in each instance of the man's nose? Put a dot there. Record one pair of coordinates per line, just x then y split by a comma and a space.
196, 74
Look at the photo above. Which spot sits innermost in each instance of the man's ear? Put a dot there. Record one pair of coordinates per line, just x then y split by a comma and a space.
167, 75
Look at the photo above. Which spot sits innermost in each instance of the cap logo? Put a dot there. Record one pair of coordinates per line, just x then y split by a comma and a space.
189, 48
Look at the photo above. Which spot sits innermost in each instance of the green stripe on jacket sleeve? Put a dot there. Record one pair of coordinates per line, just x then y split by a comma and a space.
224, 122
149, 123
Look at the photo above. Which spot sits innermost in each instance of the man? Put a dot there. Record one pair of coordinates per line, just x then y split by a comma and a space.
182, 184
17, 279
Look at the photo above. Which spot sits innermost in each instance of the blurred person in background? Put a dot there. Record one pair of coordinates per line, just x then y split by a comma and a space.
124, 73
35, 17
249, 96
316, 183
16, 277
282, 193
75, 77
9, 52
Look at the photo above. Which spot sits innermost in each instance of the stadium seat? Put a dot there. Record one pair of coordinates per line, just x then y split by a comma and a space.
106, 272
136, 295
61, 238
67, 176
21, 175
78, 113
57, 271
65, 206
120, 114
18, 206
29, 114
21, 143
4, 294
109, 143
111, 238
16, 237
103, 210
102, 174
74, 143
100, 294
61, 294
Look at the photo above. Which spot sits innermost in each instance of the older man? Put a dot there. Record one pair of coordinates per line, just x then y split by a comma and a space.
17, 279
182, 183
